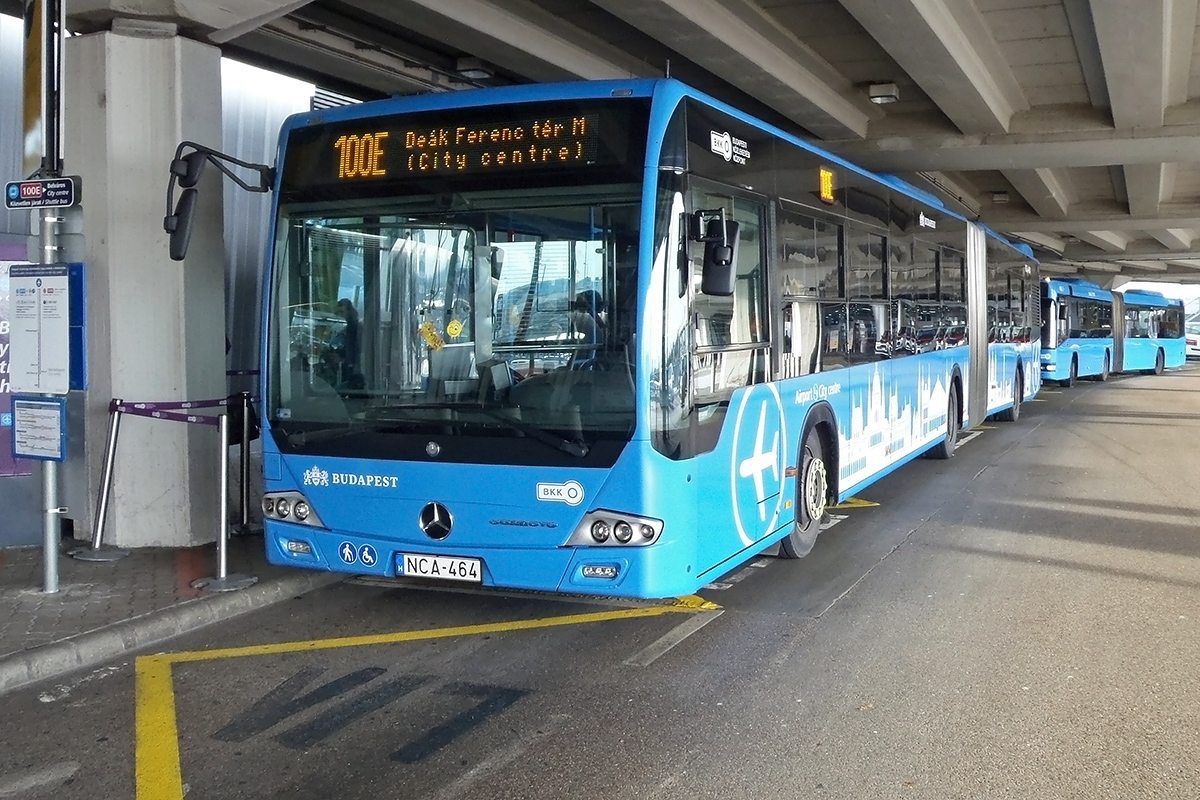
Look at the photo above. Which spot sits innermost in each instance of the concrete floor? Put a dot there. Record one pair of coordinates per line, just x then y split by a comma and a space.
1020, 622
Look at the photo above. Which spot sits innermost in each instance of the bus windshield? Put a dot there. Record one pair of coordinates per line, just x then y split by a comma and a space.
505, 314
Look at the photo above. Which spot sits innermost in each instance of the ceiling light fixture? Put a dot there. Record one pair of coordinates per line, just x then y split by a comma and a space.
883, 93
473, 68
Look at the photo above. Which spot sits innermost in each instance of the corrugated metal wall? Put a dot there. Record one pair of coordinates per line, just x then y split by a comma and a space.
255, 104
12, 223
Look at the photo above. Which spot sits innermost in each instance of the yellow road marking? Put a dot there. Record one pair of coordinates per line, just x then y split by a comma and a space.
854, 502
158, 772
157, 750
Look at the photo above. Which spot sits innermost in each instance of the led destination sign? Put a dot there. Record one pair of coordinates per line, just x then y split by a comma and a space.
543, 142
466, 147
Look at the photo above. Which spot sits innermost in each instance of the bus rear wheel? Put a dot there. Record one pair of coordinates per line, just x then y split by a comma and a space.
1103, 376
1159, 363
812, 497
946, 448
1013, 413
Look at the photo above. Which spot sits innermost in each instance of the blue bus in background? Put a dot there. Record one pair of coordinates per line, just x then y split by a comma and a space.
1153, 328
607, 337
1077, 331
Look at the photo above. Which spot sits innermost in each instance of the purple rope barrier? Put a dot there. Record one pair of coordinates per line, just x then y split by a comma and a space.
174, 405
172, 416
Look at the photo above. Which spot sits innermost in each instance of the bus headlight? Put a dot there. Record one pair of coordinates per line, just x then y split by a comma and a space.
290, 507
615, 529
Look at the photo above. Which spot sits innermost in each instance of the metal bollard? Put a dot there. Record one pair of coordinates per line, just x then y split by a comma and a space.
244, 525
224, 582
100, 552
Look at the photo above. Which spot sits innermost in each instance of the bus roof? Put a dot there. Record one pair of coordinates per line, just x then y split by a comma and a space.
1143, 297
1077, 287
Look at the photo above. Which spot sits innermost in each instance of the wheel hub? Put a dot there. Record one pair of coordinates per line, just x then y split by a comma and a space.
816, 489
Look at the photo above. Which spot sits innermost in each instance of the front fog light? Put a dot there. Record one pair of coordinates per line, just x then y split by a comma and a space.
623, 532
299, 548
283, 507
268, 506
600, 530
300, 510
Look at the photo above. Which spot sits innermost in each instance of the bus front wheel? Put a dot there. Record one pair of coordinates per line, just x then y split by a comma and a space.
812, 497
1013, 413
1073, 375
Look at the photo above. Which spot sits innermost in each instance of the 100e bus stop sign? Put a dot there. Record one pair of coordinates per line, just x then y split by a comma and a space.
42, 193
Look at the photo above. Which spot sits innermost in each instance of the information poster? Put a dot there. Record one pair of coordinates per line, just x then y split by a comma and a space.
39, 428
39, 335
9, 467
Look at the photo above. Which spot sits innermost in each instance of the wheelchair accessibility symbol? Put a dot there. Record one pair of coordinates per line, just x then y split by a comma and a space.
366, 554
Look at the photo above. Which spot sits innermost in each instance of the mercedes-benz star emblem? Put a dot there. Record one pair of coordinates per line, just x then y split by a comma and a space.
435, 521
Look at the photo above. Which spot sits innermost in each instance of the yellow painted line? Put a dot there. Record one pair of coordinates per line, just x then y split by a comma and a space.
157, 745
854, 502
158, 772
417, 636
694, 602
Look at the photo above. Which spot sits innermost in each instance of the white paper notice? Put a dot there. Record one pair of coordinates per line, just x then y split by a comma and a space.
39, 340
38, 429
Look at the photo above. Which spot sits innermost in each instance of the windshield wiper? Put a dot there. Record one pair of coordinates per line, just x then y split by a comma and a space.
577, 449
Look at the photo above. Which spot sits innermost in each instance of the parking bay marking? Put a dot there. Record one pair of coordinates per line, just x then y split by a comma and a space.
157, 770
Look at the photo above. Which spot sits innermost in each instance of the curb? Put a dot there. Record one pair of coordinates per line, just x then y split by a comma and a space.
96, 646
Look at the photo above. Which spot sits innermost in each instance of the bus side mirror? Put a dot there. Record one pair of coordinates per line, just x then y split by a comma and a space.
1062, 312
720, 257
179, 224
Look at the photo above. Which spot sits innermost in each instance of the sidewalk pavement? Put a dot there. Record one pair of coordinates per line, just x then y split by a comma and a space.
106, 609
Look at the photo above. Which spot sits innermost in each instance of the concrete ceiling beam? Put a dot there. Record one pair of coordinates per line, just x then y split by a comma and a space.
1174, 238
1095, 216
214, 18
1136, 250
1147, 266
1016, 151
949, 51
1046, 241
1108, 241
1045, 190
739, 41
518, 36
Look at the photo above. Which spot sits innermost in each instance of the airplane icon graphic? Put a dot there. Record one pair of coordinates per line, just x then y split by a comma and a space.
761, 461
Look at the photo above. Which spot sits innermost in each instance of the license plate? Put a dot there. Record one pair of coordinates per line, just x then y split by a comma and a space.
449, 568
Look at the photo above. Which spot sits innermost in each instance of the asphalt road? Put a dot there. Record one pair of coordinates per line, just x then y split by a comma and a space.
1017, 622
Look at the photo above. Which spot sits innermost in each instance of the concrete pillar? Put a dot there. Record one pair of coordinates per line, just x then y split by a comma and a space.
155, 327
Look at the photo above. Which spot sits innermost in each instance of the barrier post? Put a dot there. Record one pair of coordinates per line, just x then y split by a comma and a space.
224, 582
244, 524
100, 552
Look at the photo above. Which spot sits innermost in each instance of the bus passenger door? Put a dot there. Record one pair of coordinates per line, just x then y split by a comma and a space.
741, 483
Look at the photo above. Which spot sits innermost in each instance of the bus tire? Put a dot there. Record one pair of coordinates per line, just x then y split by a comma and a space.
1159, 363
812, 497
946, 447
1103, 376
1073, 375
1013, 413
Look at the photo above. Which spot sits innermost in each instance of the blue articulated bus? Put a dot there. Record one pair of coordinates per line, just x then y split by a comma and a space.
1077, 331
1153, 332
606, 337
